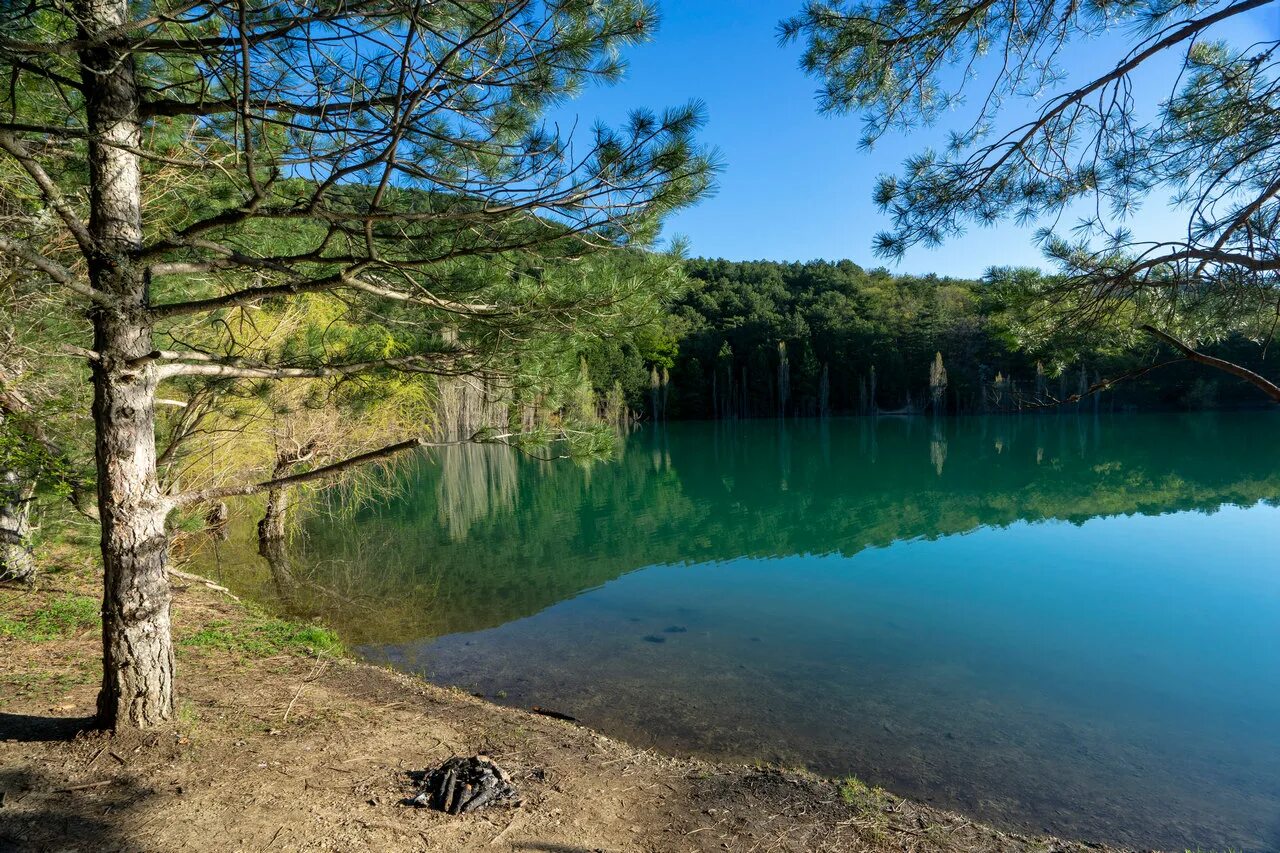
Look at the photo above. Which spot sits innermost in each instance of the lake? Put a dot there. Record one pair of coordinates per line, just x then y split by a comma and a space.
1062, 623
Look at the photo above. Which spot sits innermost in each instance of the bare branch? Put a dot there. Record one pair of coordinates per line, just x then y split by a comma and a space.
348, 279
53, 269
1268, 387
234, 368
15, 149
322, 473
1050, 402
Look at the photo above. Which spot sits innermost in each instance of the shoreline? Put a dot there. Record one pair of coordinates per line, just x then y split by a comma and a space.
284, 741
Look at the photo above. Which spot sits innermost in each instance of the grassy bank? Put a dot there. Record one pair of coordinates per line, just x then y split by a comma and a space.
284, 742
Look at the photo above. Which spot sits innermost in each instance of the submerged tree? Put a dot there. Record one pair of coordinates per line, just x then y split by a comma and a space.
386, 157
1213, 146
938, 384
784, 379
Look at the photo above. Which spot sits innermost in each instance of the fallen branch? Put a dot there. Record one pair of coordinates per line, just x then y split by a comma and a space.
71, 788
555, 715
187, 576
315, 673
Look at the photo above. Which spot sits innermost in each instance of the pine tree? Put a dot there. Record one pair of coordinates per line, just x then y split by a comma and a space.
1097, 143
389, 158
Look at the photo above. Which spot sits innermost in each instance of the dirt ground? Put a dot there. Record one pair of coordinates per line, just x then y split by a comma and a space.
287, 748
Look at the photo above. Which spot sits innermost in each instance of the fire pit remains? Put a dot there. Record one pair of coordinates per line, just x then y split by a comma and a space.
463, 785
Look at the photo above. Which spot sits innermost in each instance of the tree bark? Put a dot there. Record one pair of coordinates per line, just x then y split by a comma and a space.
17, 560
271, 527
137, 678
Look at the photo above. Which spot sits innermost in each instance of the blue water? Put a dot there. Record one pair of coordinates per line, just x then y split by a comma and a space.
1059, 624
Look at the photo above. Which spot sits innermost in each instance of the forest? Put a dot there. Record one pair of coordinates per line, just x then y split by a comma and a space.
751, 339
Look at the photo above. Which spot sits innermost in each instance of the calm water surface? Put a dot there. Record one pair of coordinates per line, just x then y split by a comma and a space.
1054, 623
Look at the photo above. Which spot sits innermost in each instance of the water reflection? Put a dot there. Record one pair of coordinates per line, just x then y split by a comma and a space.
499, 536
473, 482
1114, 674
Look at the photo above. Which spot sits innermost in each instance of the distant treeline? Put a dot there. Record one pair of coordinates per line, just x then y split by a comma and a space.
763, 338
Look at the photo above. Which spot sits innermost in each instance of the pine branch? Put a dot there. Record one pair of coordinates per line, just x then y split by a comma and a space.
1268, 387
15, 149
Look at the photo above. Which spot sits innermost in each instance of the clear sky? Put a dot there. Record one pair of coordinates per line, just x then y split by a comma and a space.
795, 186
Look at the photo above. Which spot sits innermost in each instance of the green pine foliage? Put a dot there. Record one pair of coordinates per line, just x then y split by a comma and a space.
1047, 129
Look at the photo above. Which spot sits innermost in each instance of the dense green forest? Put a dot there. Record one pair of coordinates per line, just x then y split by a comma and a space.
771, 338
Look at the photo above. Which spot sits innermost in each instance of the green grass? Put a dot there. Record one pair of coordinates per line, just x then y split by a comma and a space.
61, 617
265, 637
854, 792
188, 718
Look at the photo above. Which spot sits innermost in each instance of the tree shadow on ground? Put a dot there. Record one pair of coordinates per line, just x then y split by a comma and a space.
32, 728
42, 812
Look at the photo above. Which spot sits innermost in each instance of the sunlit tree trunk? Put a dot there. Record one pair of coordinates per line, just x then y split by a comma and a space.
137, 680
271, 527
17, 561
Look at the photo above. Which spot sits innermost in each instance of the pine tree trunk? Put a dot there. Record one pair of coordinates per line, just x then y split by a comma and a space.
271, 527
17, 561
137, 679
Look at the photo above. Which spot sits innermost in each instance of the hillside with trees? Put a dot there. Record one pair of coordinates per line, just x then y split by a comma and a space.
750, 339
1078, 115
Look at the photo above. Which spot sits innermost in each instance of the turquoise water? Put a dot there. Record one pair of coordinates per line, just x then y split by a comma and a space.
1060, 624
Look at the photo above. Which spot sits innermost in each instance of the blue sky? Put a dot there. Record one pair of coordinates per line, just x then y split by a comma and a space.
796, 186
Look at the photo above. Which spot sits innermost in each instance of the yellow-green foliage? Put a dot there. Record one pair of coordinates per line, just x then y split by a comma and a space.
251, 421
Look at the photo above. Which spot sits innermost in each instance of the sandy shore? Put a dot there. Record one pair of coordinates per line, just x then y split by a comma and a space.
282, 743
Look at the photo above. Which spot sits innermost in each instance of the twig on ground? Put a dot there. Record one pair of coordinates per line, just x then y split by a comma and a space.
71, 788
315, 673
187, 576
